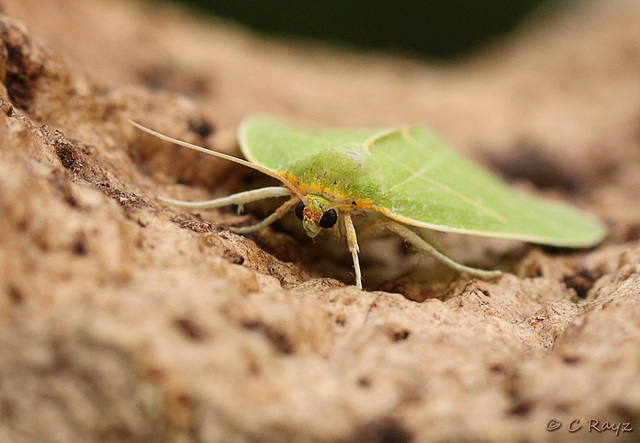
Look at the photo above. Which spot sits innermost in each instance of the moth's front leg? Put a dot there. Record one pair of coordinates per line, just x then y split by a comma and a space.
352, 242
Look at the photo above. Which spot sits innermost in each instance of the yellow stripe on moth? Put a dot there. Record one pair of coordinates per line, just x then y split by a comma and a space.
327, 191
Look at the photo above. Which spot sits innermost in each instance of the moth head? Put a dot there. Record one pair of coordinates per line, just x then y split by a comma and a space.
316, 214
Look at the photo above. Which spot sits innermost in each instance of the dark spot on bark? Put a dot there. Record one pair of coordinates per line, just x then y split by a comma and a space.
196, 226
384, 430
401, 335
201, 127
525, 162
233, 257
26, 63
254, 368
15, 295
74, 158
521, 409
534, 270
21, 77
7, 109
7, 409
571, 360
165, 76
627, 412
61, 183
582, 281
476, 285
79, 246
632, 232
155, 77
184, 400
278, 339
190, 329
68, 157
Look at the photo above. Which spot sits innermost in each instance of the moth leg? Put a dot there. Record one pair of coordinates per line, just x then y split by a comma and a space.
352, 242
282, 210
236, 199
424, 247
427, 236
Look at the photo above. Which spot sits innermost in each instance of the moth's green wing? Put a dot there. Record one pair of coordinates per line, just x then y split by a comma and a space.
276, 145
422, 182
433, 186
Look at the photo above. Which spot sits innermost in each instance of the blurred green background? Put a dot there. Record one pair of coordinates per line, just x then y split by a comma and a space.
432, 28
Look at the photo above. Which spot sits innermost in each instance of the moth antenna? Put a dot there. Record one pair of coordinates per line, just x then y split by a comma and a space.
240, 161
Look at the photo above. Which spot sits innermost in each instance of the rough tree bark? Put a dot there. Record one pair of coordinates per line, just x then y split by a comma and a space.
122, 319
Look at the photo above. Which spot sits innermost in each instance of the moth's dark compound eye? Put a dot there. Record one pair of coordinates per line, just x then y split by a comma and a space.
299, 210
328, 219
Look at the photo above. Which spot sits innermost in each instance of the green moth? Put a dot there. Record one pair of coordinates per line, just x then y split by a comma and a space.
403, 176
